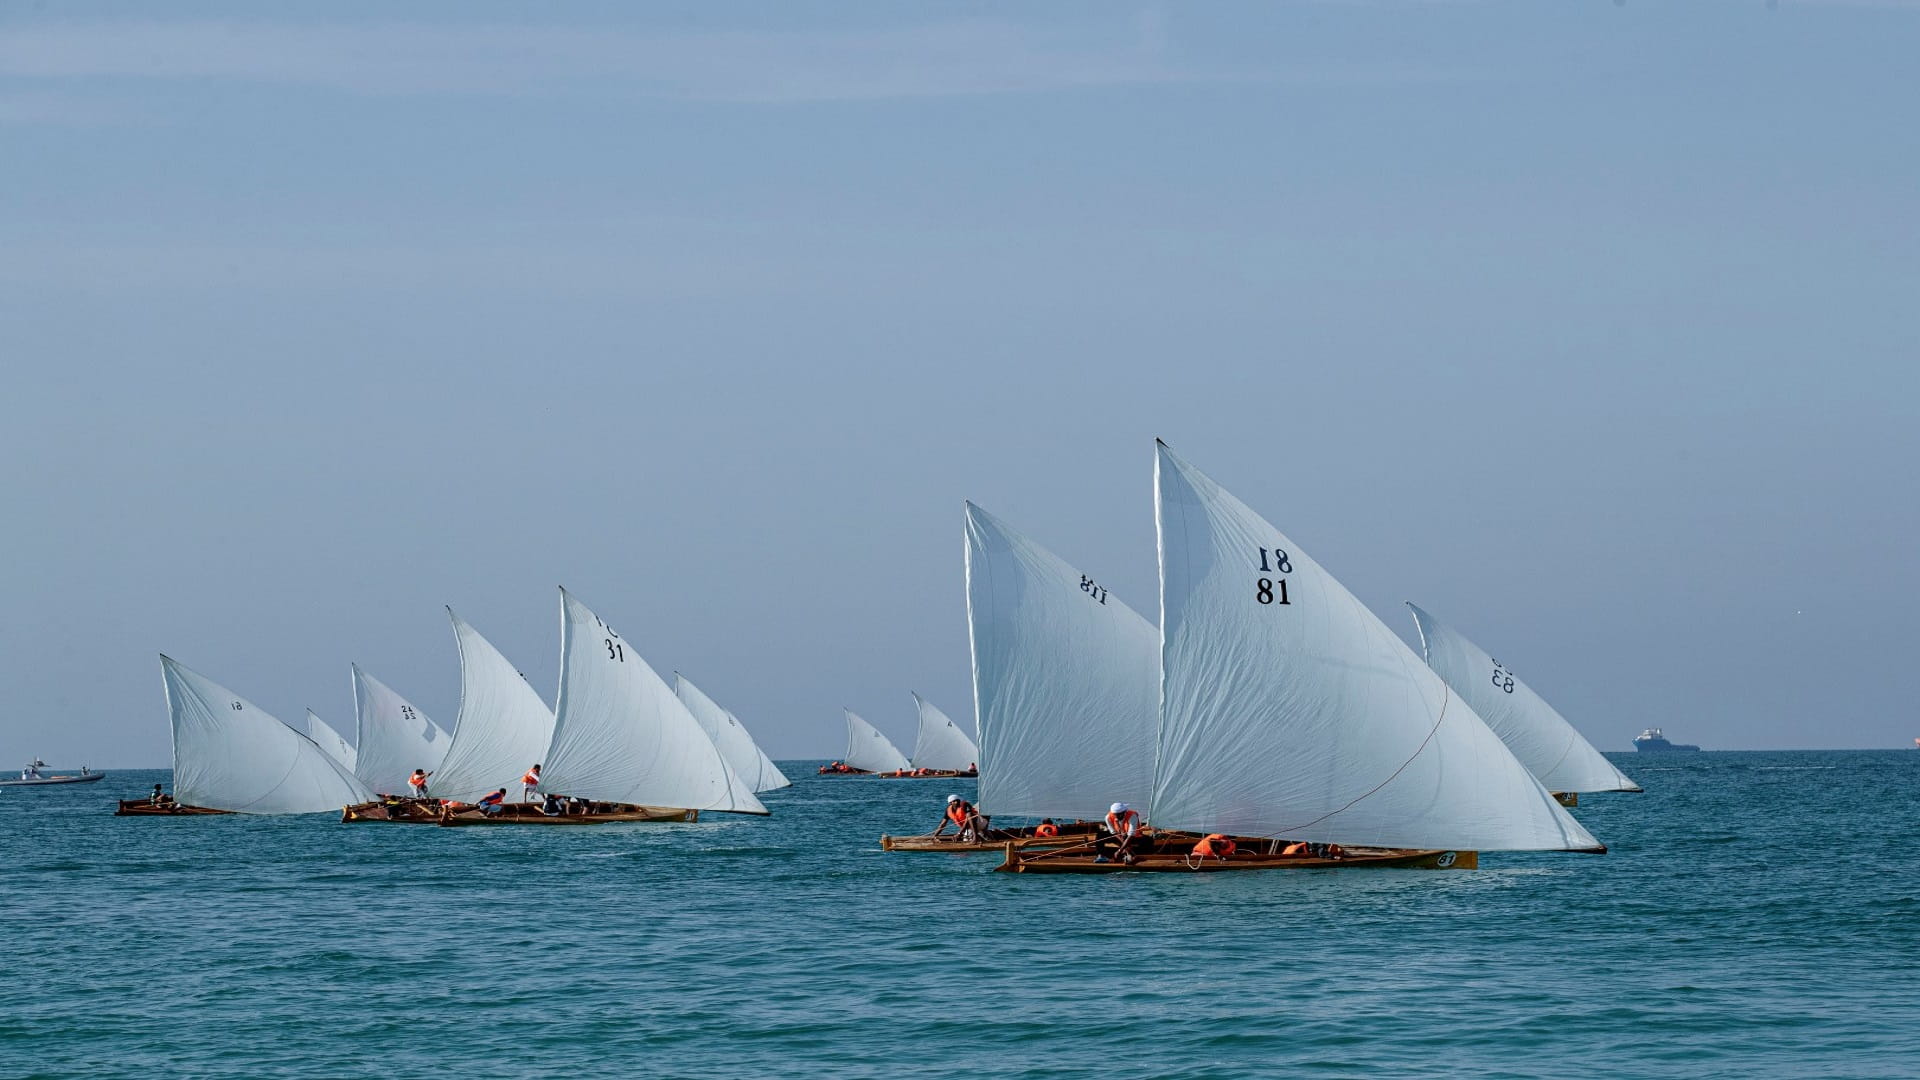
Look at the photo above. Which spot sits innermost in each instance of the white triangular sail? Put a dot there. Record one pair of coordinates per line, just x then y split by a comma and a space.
941, 744
1289, 710
620, 735
393, 738
503, 727
230, 754
730, 735
1066, 682
868, 750
1557, 755
335, 744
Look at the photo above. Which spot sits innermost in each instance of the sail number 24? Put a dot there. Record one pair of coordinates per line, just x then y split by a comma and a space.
1273, 590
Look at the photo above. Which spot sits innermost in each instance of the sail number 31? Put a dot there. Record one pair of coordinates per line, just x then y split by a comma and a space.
1273, 590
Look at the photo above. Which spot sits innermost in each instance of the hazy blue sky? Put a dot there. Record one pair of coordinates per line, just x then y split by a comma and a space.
1590, 328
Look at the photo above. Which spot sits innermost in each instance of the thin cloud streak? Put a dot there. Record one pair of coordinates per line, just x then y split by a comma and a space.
949, 59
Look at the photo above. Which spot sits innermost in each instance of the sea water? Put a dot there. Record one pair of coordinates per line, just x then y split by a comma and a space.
1759, 915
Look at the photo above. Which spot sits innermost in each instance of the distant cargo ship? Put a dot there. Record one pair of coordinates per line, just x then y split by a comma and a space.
1651, 739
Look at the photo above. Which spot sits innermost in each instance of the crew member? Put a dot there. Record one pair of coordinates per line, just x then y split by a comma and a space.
963, 817
159, 796
1046, 829
1123, 828
418, 782
530, 784
1215, 846
491, 804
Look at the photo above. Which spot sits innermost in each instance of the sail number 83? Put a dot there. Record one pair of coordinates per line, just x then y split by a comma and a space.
1273, 590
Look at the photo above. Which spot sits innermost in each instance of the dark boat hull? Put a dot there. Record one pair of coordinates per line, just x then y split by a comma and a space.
144, 808
602, 814
997, 840
1174, 855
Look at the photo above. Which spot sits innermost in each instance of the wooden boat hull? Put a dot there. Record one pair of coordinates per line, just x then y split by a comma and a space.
824, 771
937, 774
46, 780
396, 811
1567, 798
603, 814
143, 808
1174, 856
997, 840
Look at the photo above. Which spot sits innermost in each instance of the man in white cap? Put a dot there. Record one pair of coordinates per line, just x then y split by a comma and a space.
1123, 825
963, 817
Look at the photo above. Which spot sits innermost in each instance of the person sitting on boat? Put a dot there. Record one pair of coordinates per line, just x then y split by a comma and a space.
1215, 846
491, 804
1046, 829
159, 796
418, 782
963, 817
530, 784
552, 805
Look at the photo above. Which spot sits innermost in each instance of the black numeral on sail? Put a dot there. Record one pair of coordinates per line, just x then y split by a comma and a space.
616, 650
1273, 590
406, 711
1087, 586
1502, 678
237, 707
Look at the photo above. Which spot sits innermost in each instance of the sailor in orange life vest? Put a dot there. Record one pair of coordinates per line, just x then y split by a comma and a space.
1215, 846
530, 784
960, 814
418, 782
1046, 828
1123, 828
490, 804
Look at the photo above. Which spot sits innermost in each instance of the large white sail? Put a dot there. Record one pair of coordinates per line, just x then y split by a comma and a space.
748, 761
335, 744
1537, 734
730, 735
1066, 681
393, 737
1289, 710
941, 744
502, 729
869, 750
230, 754
620, 735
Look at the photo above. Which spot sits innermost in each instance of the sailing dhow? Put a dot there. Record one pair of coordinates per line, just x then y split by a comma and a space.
622, 741
1292, 716
1558, 756
1066, 689
868, 751
501, 730
231, 756
393, 737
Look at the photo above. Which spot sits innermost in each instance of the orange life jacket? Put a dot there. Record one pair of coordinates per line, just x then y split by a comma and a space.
959, 812
418, 779
532, 779
1214, 844
1123, 824
1046, 830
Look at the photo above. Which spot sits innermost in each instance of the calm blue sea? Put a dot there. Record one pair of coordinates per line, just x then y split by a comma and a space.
1759, 916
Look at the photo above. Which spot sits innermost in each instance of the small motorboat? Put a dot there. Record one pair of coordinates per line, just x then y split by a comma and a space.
30, 776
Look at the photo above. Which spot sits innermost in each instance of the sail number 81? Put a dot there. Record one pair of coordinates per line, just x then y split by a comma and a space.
1270, 590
